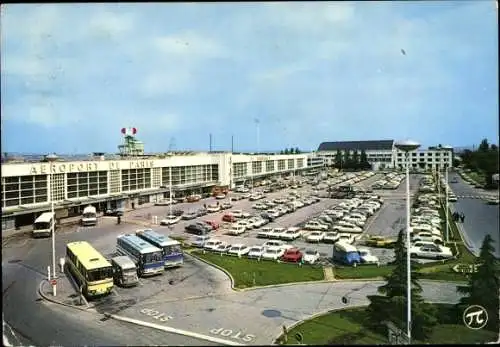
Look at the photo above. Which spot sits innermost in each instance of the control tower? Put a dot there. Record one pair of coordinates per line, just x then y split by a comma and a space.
131, 146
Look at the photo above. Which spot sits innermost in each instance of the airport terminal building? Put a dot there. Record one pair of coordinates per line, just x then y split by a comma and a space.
28, 187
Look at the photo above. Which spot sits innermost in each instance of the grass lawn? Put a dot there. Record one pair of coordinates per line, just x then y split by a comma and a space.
363, 271
265, 272
345, 327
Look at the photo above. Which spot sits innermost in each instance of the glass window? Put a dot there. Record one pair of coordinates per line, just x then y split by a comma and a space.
26, 201
41, 198
12, 202
26, 193
72, 195
11, 195
99, 274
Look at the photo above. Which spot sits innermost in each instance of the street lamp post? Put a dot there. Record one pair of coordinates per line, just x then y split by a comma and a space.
446, 197
407, 147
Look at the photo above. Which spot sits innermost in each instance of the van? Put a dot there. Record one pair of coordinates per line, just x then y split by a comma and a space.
43, 225
346, 254
124, 271
89, 216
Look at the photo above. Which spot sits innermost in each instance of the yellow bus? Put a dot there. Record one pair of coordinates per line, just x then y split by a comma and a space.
89, 269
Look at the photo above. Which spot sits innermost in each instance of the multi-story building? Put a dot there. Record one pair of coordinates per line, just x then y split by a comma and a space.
383, 154
28, 188
433, 158
379, 153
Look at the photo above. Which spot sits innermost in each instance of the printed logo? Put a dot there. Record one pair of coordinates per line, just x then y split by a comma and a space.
475, 317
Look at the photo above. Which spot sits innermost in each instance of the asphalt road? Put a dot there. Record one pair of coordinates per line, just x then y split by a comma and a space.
35, 322
481, 219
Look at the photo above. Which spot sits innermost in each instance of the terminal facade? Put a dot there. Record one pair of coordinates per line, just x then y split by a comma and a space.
28, 188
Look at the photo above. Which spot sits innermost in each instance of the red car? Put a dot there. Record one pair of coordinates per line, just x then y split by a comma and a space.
213, 224
228, 218
293, 255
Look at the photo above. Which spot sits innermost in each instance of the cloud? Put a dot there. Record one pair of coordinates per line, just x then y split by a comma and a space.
322, 70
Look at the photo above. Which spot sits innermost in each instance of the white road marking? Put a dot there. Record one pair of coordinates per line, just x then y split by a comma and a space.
177, 331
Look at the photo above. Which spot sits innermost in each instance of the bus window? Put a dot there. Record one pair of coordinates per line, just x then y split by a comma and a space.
152, 257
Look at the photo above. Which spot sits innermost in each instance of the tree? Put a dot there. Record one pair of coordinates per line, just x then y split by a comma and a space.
484, 146
297, 150
291, 150
347, 160
285, 151
363, 161
355, 160
391, 305
484, 285
338, 159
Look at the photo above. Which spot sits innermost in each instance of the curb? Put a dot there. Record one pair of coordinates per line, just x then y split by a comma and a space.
46, 297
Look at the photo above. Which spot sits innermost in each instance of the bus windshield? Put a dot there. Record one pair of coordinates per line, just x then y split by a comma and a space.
152, 257
41, 226
173, 249
99, 274
88, 215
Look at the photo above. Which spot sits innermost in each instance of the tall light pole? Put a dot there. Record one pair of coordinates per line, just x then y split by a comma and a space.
170, 187
257, 129
446, 197
51, 158
407, 147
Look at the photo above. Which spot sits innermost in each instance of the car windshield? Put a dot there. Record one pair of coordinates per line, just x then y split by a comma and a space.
309, 252
256, 249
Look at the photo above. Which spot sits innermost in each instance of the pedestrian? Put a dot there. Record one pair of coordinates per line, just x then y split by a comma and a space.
205, 206
455, 216
462, 217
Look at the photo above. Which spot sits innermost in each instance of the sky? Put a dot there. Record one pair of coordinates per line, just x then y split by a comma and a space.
270, 75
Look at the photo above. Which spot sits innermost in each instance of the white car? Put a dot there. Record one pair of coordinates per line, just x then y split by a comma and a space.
313, 225
222, 248
279, 200
226, 204
220, 196
331, 236
426, 237
347, 228
239, 250
310, 256
244, 223
273, 253
200, 241
367, 257
315, 236
255, 251
346, 238
170, 220
213, 208
273, 213
356, 221
259, 222
212, 244
236, 230
431, 251
264, 233
260, 206
237, 213
291, 234
335, 213
255, 222
279, 244
276, 233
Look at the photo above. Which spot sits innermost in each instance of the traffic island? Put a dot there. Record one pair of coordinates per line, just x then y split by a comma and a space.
248, 273
346, 327
66, 294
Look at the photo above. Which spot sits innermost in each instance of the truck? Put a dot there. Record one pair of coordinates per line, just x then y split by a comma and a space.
89, 216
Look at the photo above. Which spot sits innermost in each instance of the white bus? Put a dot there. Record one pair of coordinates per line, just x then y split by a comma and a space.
43, 225
147, 258
172, 252
89, 216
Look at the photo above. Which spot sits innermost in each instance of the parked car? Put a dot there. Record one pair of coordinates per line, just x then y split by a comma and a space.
213, 224
431, 252
237, 213
267, 216
225, 205
255, 251
200, 241
193, 198
236, 230
347, 228
213, 208
260, 206
275, 243
367, 257
212, 244
380, 241
228, 218
310, 256
189, 215
201, 212
239, 250
276, 233
313, 225
273, 253
426, 237
315, 236
331, 237
220, 196
170, 220
222, 248
177, 212
291, 234
292, 255
197, 229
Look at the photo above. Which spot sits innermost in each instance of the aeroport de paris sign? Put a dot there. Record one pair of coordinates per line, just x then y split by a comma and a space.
86, 166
